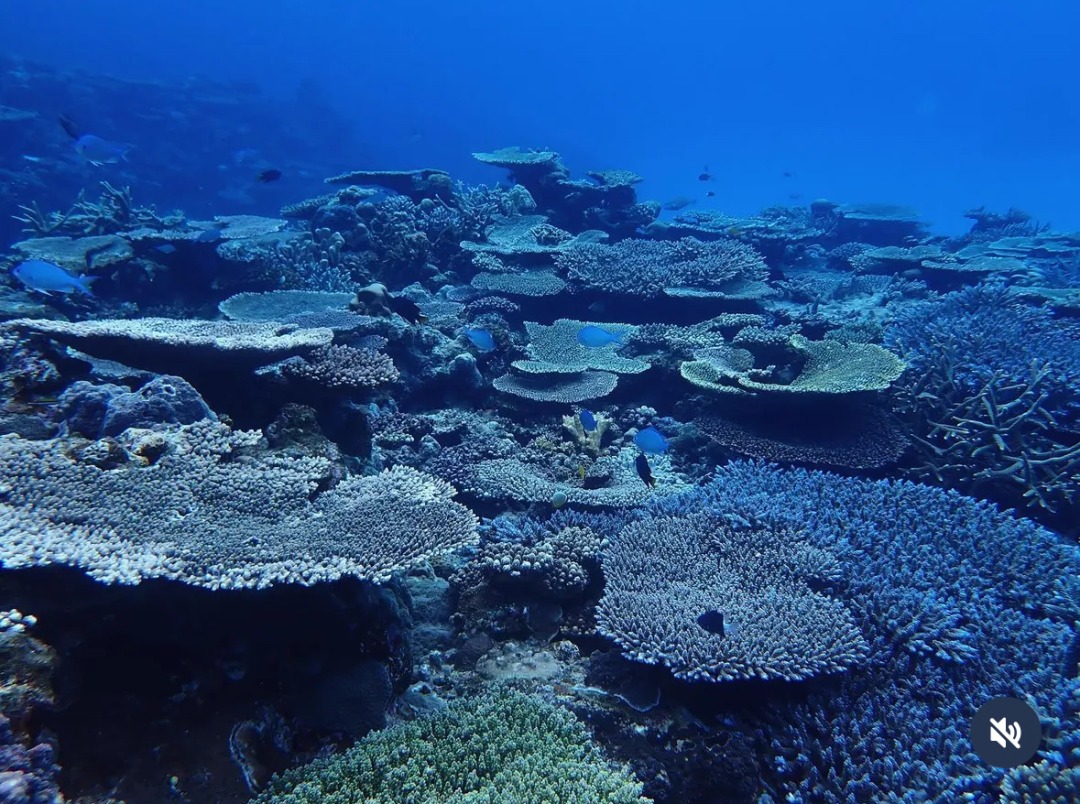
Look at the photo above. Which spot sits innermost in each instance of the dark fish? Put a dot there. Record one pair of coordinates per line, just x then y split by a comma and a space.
69, 126
710, 194
705, 175
644, 470
713, 622
406, 309
788, 174
682, 202
269, 175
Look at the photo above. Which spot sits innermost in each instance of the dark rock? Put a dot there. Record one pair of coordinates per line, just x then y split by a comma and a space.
27, 425
337, 218
107, 410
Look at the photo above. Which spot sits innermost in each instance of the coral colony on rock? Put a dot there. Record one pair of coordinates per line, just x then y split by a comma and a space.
425, 492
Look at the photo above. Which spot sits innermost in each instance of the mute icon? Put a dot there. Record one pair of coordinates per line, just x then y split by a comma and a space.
1006, 732
1002, 733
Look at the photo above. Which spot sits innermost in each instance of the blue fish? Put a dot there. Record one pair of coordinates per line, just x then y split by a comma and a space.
98, 151
588, 421
650, 441
166, 248
595, 337
480, 338
46, 277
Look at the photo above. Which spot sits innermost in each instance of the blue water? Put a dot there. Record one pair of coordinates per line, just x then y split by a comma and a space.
939, 106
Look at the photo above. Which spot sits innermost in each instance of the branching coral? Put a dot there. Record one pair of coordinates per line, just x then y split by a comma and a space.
337, 366
991, 396
934, 580
501, 747
665, 573
113, 212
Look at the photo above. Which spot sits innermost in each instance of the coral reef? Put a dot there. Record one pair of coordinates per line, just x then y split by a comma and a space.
662, 575
445, 472
180, 503
990, 394
503, 746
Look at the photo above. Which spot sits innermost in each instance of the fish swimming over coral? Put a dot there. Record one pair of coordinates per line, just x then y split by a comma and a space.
595, 337
588, 420
681, 202
644, 471
651, 441
268, 175
97, 151
406, 308
480, 338
47, 278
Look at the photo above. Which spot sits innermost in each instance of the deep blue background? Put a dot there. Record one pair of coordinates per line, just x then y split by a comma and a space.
941, 105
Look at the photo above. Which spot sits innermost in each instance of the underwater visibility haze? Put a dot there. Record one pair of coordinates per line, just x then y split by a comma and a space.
594, 402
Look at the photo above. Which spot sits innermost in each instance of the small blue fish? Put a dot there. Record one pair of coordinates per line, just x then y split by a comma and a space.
588, 421
595, 337
650, 441
98, 151
45, 277
480, 338
166, 248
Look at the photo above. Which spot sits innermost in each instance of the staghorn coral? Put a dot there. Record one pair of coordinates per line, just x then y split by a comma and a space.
1045, 782
194, 504
990, 394
500, 747
933, 579
665, 572
113, 212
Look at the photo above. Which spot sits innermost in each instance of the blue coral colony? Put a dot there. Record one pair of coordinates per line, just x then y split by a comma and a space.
297, 496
